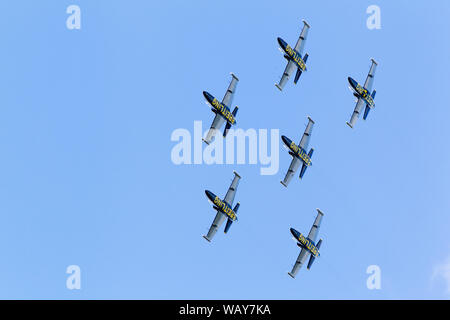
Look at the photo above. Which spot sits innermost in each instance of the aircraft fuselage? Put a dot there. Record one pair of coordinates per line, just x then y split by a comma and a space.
305, 243
361, 92
221, 205
292, 54
220, 108
297, 151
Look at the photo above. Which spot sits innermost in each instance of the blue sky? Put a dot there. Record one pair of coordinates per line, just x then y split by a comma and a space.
86, 176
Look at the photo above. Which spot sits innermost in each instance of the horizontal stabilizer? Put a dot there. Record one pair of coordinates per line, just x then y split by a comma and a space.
366, 112
278, 86
297, 75
228, 124
227, 227
304, 166
291, 275
310, 262
227, 127
318, 244
302, 172
305, 57
206, 238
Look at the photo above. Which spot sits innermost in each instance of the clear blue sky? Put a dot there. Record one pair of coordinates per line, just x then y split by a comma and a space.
86, 177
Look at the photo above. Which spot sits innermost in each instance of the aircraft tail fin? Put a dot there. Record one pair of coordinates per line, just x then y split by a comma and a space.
304, 166
312, 258
228, 125
299, 71
366, 111
230, 221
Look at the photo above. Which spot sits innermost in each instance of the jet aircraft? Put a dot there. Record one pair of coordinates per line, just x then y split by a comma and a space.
298, 153
307, 245
222, 110
363, 95
294, 57
223, 208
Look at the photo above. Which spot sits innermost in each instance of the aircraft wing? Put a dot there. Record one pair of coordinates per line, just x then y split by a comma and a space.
302, 39
291, 67
218, 220
315, 228
356, 112
295, 163
304, 142
304, 254
228, 98
229, 197
370, 77
215, 126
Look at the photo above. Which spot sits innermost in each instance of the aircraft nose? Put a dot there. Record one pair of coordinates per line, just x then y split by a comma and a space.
351, 81
281, 43
211, 196
286, 140
294, 232
207, 96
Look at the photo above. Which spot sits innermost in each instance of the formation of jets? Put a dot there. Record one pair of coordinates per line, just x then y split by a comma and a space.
296, 61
